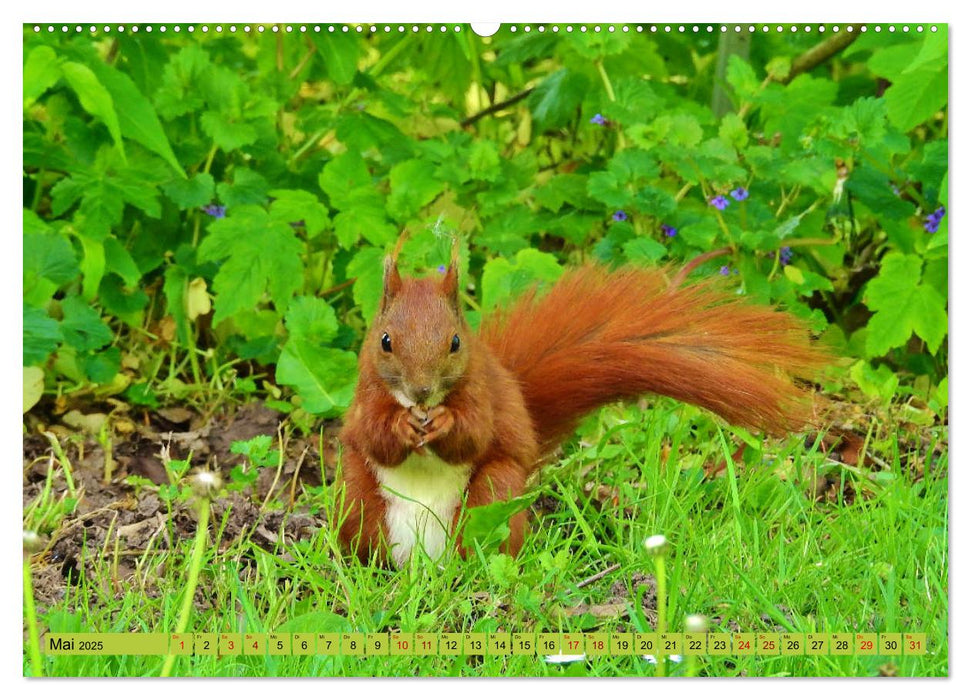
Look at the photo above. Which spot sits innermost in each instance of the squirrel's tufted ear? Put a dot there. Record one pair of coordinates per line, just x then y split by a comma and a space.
392, 278
450, 284
392, 281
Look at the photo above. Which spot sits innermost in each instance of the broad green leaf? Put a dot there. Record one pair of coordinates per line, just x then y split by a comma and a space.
502, 280
196, 191
484, 161
184, 73
311, 319
247, 187
339, 52
92, 266
367, 270
878, 382
917, 95
42, 335
555, 100
259, 256
49, 262
293, 206
33, 386
101, 367
33, 223
323, 377
741, 76
119, 261
95, 98
82, 326
606, 187
228, 133
644, 250
903, 306
41, 71
489, 524
342, 176
733, 131
413, 185
136, 115
365, 220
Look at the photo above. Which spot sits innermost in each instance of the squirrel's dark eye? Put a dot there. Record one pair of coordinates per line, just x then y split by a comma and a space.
386, 342
455, 343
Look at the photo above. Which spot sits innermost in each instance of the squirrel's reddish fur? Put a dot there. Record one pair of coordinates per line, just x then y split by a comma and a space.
514, 390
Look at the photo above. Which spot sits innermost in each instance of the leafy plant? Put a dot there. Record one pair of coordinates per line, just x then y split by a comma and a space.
226, 201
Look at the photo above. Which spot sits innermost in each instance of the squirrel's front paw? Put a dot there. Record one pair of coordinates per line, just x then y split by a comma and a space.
408, 428
439, 423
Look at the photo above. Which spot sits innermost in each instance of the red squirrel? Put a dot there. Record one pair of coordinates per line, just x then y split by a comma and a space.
444, 415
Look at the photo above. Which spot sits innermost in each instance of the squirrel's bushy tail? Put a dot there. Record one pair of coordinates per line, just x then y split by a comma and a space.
600, 336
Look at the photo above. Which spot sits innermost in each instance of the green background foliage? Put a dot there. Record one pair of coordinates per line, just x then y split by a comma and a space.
214, 208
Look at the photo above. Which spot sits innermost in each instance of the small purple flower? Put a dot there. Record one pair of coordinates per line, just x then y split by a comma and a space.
620, 215
933, 220
669, 231
739, 193
217, 211
724, 270
785, 255
598, 118
719, 202
441, 269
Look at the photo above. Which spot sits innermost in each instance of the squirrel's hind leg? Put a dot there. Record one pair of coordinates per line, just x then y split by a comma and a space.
498, 480
362, 523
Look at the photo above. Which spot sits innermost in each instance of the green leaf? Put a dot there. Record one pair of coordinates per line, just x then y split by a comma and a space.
413, 185
606, 187
49, 262
367, 269
292, 206
82, 326
119, 261
92, 266
311, 319
489, 524
41, 72
101, 367
484, 161
339, 52
259, 256
918, 94
733, 131
903, 307
365, 220
247, 187
196, 191
95, 98
503, 280
136, 116
342, 176
877, 382
42, 334
555, 100
323, 377
741, 76
228, 133
644, 250
33, 386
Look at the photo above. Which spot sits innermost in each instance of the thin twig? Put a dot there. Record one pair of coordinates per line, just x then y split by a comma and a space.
597, 576
823, 51
518, 97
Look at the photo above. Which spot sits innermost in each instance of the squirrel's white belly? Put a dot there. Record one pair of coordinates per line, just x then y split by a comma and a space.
422, 494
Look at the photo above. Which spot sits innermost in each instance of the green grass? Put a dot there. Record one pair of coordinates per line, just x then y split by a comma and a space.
752, 547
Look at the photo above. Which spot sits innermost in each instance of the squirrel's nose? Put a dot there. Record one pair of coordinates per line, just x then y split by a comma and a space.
422, 393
